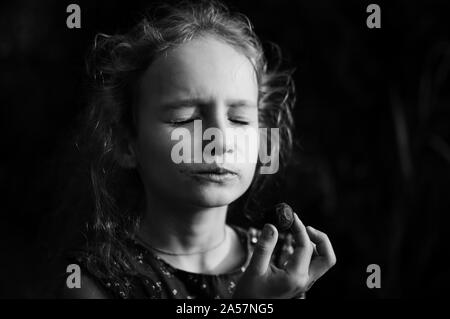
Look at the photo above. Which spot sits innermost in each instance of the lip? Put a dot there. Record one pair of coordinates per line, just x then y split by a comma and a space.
217, 178
215, 174
215, 170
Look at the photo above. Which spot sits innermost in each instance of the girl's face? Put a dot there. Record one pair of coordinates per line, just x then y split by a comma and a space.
204, 79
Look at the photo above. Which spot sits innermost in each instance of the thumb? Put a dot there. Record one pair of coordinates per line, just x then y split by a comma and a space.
263, 251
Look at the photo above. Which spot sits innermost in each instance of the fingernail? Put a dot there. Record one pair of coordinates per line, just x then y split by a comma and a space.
267, 232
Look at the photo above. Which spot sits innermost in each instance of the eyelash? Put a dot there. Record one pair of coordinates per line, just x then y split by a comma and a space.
193, 119
182, 122
240, 122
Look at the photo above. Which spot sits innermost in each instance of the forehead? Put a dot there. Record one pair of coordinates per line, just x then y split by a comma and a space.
202, 68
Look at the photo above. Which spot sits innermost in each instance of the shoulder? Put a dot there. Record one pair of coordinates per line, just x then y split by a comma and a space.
78, 278
89, 288
135, 277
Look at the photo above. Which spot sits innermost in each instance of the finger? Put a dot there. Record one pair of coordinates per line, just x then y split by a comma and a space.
301, 258
326, 257
315, 253
322, 243
263, 251
286, 250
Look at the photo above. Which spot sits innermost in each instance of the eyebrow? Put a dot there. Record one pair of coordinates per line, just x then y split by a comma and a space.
190, 102
241, 103
183, 103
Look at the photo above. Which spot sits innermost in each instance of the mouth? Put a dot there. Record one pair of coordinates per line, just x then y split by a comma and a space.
215, 174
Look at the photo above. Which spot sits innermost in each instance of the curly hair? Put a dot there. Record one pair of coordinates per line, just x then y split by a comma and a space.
115, 65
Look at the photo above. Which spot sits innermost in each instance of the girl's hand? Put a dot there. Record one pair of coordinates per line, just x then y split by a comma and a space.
312, 257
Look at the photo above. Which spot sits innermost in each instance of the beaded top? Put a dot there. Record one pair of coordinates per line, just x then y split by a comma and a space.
157, 279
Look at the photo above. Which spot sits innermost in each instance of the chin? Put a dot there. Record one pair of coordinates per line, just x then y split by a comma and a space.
215, 197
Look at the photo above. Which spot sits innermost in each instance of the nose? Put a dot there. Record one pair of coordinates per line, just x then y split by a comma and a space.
219, 121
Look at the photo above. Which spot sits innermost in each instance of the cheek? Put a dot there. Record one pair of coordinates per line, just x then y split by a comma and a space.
247, 173
154, 149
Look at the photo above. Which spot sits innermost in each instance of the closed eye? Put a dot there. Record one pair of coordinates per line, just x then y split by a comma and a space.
181, 122
242, 122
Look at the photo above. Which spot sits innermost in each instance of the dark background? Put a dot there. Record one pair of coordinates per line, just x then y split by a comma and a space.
373, 122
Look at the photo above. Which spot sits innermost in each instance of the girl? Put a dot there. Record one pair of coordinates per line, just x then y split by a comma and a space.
160, 227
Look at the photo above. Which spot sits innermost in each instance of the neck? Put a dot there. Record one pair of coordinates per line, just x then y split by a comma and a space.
182, 228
